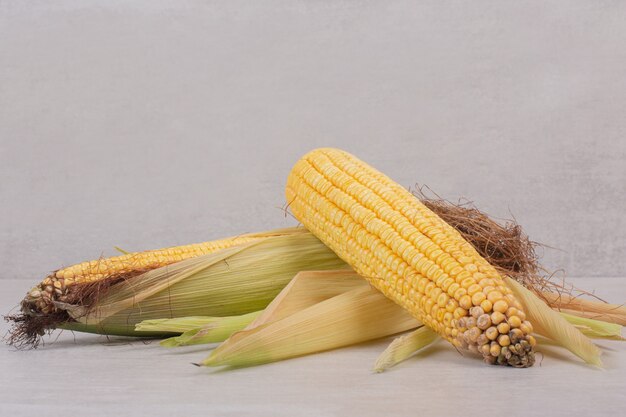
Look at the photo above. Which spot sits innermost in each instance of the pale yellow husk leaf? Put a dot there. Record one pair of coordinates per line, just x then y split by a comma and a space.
405, 346
351, 317
597, 310
551, 324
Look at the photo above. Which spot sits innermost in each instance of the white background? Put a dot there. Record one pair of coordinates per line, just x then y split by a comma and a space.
154, 123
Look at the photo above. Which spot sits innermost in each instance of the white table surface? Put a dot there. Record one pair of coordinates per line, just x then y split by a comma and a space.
88, 375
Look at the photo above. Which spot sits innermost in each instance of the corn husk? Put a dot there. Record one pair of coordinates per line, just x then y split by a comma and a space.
267, 336
405, 346
300, 321
214, 329
231, 282
179, 324
597, 310
551, 324
595, 329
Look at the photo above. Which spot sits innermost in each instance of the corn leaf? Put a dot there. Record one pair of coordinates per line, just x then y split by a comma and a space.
308, 288
217, 331
184, 324
551, 324
405, 346
614, 318
596, 329
305, 289
351, 317
230, 282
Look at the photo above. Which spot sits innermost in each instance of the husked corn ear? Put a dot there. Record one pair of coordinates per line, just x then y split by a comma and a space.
410, 254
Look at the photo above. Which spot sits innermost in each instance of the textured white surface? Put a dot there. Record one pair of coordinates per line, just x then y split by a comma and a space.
149, 123
88, 375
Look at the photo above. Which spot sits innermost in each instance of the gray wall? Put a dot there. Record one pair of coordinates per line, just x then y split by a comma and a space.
167, 122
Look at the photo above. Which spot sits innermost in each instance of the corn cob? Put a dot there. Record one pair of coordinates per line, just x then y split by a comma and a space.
410, 254
56, 287
228, 282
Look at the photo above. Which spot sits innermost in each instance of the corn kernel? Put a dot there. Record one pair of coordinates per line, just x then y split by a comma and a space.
451, 305
503, 340
512, 311
497, 317
460, 312
465, 302
467, 283
460, 293
500, 306
483, 322
478, 298
504, 328
494, 349
516, 335
494, 296
447, 283
486, 306
461, 323
452, 289
492, 333
474, 289
485, 282
514, 321
442, 299
472, 334
476, 312
526, 327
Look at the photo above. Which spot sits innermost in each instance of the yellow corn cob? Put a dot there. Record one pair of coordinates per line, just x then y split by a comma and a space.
412, 256
54, 287
95, 270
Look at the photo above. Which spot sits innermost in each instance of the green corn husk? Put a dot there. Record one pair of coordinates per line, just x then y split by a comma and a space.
179, 324
595, 329
231, 282
199, 330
